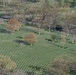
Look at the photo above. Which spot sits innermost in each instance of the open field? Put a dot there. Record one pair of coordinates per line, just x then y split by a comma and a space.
41, 54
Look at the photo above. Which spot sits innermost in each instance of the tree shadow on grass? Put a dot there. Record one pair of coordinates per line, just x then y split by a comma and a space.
48, 39
4, 31
21, 42
19, 37
31, 30
28, 30
55, 44
60, 46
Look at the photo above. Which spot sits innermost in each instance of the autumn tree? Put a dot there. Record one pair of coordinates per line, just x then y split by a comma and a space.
12, 25
30, 38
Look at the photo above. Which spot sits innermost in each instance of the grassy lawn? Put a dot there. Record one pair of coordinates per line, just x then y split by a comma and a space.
42, 53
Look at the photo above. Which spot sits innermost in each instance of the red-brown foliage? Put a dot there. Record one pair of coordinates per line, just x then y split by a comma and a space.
31, 38
12, 24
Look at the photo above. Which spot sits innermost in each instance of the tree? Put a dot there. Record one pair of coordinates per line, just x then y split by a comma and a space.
72, 65
69, 24
49, 21
63, 39
16, 9
56, 72
12, 25
54, 14
47, 14
38, 22
60, 66
50, 14
30, 38
7, 63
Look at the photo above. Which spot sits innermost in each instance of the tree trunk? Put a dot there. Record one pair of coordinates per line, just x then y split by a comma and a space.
73, 39
39, 31
31, 44
49, 28
63, 39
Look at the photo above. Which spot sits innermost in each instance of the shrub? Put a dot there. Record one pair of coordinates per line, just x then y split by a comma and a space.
53, 37
30, 38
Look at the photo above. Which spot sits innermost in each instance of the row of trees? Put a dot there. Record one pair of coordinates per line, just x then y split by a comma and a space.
49, 16
45, 16
63, 3
70, 3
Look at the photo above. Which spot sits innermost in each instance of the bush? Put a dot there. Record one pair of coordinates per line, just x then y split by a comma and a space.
53, 37
31, 38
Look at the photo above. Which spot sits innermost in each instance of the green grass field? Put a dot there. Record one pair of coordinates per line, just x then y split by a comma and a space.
41, 54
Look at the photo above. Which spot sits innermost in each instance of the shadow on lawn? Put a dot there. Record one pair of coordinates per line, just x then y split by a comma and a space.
55, 43
4, 31
21, 42
60, 46
31, 30
48, 39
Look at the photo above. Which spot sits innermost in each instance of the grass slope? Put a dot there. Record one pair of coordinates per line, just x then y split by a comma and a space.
41, 54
